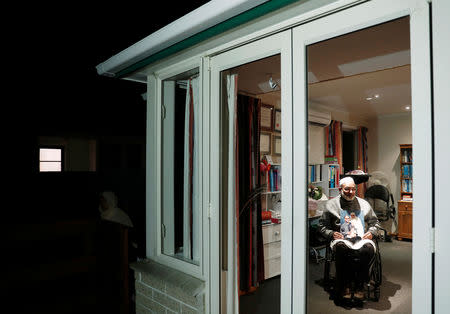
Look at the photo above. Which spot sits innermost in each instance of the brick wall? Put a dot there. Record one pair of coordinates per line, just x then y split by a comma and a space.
160, 289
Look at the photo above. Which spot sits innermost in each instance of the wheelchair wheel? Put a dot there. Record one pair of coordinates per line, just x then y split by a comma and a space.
376, 271
376, 276
376, 293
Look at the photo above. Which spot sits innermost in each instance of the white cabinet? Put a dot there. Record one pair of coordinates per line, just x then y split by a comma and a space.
272, 250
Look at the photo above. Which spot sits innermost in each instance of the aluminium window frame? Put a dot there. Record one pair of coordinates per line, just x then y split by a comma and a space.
154, 169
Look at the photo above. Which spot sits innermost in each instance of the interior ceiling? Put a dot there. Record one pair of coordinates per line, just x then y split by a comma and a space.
345, 71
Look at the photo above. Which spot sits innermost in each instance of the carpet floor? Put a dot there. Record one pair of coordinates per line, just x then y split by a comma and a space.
395, 292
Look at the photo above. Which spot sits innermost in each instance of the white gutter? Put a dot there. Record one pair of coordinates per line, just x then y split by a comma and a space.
206, 16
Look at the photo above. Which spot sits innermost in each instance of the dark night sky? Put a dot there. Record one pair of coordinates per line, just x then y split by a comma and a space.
65, 45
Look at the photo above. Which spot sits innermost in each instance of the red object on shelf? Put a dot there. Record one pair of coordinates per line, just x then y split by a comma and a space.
276, 220
266, 215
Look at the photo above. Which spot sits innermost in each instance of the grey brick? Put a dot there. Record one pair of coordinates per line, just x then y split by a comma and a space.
184, 297
152, 305
143, 289
153, 282
167, 301
142, 310
189, 310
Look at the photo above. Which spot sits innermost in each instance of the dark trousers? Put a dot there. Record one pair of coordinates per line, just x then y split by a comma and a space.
352, 266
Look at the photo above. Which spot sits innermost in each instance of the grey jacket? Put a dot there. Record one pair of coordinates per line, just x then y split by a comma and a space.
331, 218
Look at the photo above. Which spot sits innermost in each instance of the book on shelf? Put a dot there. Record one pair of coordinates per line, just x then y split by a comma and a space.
315, 173
407, 171
334, 176
407, 185
407, 155
407, 198
272, 178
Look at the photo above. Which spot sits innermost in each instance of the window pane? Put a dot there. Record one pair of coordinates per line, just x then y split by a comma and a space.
45, 166
357, 120
251, 183
180, 147
50, 154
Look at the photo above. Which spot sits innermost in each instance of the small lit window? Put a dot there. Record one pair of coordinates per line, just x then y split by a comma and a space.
50, 159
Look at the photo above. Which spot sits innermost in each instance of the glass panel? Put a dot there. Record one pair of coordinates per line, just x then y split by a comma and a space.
50, 154
251, 182
45, 166
180, 154
359, 112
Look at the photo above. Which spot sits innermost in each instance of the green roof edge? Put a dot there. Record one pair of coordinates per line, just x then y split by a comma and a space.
222, 27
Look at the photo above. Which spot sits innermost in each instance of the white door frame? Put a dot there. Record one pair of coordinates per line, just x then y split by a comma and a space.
441, 71
279, 43
360, 16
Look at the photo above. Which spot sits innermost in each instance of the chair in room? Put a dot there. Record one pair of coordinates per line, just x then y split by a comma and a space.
385, 208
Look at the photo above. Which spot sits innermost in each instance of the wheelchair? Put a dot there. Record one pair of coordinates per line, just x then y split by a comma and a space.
372, 287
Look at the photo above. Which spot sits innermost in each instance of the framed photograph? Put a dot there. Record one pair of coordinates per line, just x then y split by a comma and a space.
264, 143
266, 117
277, 120
276, 145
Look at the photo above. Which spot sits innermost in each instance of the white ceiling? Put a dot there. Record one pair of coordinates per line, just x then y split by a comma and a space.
345, 71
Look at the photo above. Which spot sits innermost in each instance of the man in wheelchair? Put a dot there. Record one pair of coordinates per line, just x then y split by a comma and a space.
353, 245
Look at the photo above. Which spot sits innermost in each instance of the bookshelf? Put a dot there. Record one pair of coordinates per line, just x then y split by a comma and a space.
325, 176
406, 175
271, 228
272, 181
405, 204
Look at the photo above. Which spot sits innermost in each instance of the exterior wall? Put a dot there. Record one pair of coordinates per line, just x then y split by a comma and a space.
160, 289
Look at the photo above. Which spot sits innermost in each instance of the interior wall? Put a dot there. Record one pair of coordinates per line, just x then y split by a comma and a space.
384, 136
316, 149
274, 99
316, 134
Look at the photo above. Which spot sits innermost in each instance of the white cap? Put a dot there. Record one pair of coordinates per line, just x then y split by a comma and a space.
346, 181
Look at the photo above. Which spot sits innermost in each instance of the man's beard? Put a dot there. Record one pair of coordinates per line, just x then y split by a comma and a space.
347, 198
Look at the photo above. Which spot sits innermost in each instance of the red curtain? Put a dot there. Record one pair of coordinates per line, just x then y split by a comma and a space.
334, 143
248, 181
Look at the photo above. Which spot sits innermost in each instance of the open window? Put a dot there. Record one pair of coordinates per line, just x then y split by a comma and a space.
177, 169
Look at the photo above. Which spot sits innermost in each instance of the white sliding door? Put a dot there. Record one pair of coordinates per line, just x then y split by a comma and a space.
260, 70
415, 15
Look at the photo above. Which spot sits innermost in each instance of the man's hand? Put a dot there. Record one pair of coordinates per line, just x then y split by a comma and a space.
367, 235
337, 235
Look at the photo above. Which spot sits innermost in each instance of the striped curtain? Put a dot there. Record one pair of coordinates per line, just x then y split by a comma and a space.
190, 195
334, 143
248, 181
361, 148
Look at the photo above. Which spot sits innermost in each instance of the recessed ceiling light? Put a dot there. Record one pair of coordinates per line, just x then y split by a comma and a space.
407, 107
376, 95
369, 98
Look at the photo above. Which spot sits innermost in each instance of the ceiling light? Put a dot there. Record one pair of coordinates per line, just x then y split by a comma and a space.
272, 83
408, 107
369, 98
376, 95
